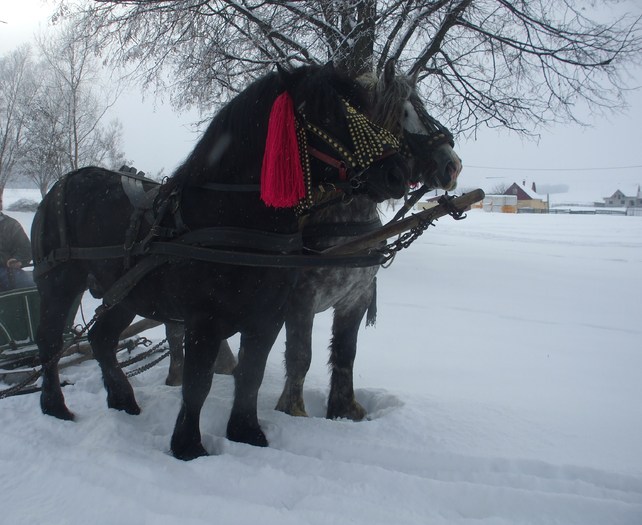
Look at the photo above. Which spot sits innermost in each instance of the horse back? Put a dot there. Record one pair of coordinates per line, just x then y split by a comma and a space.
86, 207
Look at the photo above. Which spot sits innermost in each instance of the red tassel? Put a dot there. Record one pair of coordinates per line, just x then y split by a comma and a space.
282, 184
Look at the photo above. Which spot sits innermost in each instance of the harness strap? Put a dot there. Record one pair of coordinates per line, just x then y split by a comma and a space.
59, 205
243, 238
340, 165
204, 245
119, 290
133, 188
142, 201
339, 229
219, 186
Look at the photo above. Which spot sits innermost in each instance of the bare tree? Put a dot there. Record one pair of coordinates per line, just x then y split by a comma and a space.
43, 158
17, 89
74, 81
64, 119
510, 63
499, 188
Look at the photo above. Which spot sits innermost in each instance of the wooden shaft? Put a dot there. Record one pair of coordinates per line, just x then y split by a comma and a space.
372, 240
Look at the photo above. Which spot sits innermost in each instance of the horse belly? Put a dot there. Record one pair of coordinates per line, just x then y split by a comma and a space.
323, 288
233, 295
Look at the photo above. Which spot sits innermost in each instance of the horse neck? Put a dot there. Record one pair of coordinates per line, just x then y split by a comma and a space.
231, 149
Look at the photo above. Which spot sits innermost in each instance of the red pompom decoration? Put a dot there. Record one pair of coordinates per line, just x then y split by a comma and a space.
282, 184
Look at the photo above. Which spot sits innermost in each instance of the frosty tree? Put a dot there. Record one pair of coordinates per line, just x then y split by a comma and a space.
510, 63
18, 86
52, 110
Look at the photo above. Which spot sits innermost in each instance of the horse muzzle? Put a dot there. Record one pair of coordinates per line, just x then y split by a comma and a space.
388, 183
447, 167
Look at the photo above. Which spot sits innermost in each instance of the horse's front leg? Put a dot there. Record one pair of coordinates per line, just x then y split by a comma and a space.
201, 347
298, 355
243, 425
343, 349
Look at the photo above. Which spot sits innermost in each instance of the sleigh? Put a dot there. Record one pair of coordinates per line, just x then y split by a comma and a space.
19, 314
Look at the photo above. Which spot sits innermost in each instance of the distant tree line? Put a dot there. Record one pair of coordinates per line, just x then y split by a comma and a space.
52, 109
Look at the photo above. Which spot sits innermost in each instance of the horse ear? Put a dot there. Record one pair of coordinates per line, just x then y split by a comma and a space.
414, 78
389, 71
285, 75
328, 67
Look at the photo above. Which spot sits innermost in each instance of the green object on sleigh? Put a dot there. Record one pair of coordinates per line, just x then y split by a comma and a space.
19, 315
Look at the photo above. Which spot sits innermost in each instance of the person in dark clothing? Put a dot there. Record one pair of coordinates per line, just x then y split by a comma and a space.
15, 252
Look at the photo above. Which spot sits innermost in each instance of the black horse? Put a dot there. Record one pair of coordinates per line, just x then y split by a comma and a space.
84, 226
351, 291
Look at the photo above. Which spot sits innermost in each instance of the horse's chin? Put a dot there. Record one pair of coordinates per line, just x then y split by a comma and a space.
380, 193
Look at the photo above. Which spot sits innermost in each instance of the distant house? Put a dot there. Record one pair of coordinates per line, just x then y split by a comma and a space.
619, 199
528, 200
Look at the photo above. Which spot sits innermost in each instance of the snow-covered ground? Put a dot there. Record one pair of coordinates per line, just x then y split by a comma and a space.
503, 384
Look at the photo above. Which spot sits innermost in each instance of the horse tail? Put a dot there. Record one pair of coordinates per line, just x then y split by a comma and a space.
53, 204
371, 315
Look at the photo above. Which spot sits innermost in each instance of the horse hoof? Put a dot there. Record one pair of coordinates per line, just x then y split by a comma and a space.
64, 415
58, 412
292, 408
130, 407
173, 381
353, 411
134, 410
54, 408
189, 453
250, 436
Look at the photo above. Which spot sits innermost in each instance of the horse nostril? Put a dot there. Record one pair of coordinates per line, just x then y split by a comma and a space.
396, 181
452, 171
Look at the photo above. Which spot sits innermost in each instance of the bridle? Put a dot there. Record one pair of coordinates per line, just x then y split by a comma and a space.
420, 145
372, 143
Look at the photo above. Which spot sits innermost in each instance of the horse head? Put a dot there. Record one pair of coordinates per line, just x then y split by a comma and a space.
341, 148
427, 144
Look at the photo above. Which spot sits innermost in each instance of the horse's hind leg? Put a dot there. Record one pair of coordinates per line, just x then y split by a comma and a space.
175, 334
298, 355
58, 290
104, 338
343, 349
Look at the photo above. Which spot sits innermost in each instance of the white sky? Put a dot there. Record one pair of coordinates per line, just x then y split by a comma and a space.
156, 137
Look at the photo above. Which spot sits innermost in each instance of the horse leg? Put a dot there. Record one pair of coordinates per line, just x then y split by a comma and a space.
243, 425
175, 334
201, 347
298, 355
103, 338
343, 349
58, 290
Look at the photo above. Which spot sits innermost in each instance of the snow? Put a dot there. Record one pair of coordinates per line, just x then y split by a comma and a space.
502, 383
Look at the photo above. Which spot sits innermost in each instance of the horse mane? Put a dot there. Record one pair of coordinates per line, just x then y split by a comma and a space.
231, 149
388, 99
